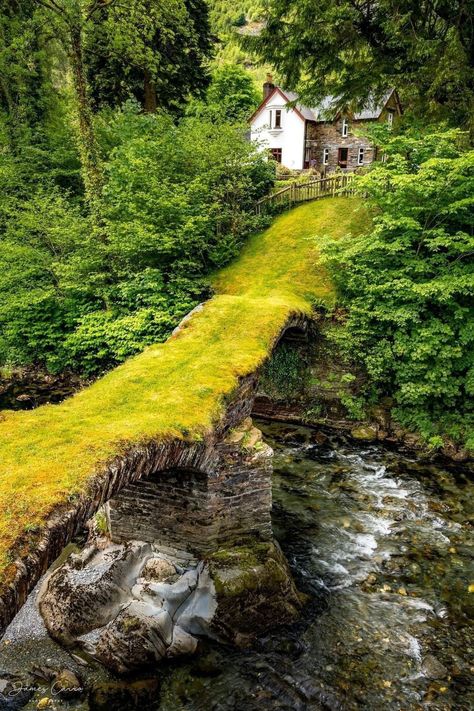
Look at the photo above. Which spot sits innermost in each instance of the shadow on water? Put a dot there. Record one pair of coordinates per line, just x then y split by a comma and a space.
383, 546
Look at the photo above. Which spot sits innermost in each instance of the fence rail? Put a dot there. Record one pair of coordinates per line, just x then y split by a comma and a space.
341, 184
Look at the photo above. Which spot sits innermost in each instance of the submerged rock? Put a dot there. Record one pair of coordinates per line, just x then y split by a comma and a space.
433, 669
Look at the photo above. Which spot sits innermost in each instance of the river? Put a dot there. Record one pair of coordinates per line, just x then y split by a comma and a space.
382, 544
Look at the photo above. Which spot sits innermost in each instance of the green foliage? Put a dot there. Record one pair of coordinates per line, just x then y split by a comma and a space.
283, 376
349, 49
232, 94
155, 52
230, 22
178, 203
408, 285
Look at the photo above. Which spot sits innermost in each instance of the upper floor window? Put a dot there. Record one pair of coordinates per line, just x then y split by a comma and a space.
275, 118
360, 156
325, 156
390, 117
345, 128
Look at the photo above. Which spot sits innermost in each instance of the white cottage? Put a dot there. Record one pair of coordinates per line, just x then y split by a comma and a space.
301, 137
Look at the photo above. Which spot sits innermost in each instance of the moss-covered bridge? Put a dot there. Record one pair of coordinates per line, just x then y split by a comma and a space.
169, 408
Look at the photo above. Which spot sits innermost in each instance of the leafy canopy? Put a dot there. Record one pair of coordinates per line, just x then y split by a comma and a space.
408, 285
350, 48
177, 203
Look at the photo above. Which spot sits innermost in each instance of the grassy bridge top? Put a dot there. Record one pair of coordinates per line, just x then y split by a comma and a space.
175, 389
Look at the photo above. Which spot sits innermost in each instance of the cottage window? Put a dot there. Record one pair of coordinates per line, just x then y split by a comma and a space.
276, 154
390, 118
278, 118
325, 156
360, 156
345, 128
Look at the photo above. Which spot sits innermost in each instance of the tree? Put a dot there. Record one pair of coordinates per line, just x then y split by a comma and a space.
155, 52
177, 202
70, 17
408, 284
352, 48
232, 91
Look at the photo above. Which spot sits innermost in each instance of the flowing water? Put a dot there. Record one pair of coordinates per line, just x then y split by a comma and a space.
382, 544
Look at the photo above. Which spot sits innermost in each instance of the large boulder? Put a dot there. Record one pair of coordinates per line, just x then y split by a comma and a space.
255, 592
89, 589
130, 607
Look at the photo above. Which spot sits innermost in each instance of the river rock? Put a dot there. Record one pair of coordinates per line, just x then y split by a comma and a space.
89, 589
158, 569
432, 668
255, 592
67, 683
126, 608
365, 433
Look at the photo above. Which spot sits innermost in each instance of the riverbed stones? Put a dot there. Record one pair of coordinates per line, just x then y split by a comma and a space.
432, 668
364, 433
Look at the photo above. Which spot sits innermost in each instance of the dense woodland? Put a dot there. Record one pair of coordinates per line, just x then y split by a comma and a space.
127, 179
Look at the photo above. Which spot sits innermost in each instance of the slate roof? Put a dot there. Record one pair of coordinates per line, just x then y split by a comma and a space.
371, 110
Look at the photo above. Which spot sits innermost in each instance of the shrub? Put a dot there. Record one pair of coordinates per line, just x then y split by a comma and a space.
408, 285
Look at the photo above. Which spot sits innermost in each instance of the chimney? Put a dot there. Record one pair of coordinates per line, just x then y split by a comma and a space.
268, 86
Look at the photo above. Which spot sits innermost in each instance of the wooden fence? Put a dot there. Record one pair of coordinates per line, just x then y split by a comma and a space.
339, 184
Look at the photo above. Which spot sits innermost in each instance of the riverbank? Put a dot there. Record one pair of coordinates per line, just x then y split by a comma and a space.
308, 382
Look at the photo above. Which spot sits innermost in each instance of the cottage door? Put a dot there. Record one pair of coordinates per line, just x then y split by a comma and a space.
342, 157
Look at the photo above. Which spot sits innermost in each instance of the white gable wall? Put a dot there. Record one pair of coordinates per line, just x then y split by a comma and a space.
290, 138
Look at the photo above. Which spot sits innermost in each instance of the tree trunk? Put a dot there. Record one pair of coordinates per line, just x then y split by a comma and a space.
149, 97
88, 148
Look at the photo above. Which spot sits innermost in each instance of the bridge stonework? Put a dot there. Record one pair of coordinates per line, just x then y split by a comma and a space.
213, 497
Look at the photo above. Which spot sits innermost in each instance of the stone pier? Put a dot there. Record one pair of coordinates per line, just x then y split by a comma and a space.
211, 497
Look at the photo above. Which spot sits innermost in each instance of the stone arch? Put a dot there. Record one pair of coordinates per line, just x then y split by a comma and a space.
203, 499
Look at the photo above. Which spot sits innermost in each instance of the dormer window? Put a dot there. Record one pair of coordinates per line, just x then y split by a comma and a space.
390, 115
345, 128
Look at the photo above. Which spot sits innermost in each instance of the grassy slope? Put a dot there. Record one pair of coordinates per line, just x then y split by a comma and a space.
175, 389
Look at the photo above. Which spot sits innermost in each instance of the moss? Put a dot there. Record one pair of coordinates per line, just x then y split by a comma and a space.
243, 569
131, 624
172, 390
101, 523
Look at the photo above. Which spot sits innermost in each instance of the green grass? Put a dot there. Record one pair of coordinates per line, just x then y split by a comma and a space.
175, 389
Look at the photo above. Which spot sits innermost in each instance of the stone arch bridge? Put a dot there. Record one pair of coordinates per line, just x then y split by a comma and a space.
166, 438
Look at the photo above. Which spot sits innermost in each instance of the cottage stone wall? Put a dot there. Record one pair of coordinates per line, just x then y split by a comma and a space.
329, 135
